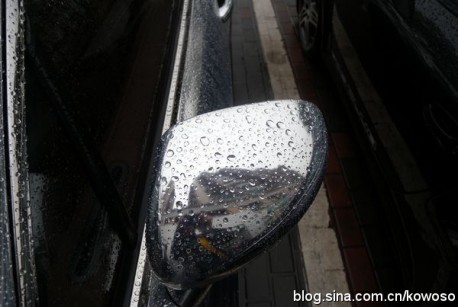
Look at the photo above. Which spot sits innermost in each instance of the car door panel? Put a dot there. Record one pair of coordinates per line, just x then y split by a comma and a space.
107, 61
408, 51
404, 70
207, 79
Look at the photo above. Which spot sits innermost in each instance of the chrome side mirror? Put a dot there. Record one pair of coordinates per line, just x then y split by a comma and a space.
230, 184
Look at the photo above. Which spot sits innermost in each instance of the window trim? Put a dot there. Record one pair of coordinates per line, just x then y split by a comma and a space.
15, 149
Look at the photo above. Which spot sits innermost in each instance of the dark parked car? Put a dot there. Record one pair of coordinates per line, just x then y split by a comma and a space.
396, 62
120, 183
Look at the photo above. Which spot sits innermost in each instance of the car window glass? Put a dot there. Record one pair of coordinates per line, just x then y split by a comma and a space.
102, 63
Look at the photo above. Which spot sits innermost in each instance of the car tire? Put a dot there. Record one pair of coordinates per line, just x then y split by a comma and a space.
309, 25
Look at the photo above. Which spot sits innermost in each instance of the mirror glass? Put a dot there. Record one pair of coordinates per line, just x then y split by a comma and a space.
230, 183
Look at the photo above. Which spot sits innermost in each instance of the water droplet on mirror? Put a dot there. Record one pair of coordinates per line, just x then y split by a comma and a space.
204, 141
231, 158
170, 153
249, 119
270, 123
218, 155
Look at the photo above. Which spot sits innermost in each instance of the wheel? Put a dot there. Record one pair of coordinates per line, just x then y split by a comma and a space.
309, 25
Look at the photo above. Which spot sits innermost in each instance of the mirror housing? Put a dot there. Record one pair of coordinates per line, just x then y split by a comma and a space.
230, 184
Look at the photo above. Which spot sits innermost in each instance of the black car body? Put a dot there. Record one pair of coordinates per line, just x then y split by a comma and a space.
396, 64
101, 81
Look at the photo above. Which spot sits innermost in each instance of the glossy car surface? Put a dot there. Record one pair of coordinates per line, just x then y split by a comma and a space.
107, 157
397, 64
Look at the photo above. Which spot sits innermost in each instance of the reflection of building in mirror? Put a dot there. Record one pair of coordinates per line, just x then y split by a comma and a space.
227, 208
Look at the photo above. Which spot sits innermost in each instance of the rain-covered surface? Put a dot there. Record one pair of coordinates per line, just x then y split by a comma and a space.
436, 24
206, 83
17, 157
102, 60
158, 295
230, 183
7, 288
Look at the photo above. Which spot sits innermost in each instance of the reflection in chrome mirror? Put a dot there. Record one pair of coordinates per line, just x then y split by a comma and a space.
230, 183
224, 8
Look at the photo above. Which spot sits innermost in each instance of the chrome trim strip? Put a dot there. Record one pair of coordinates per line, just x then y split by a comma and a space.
17, 154
168, 121
7, 283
